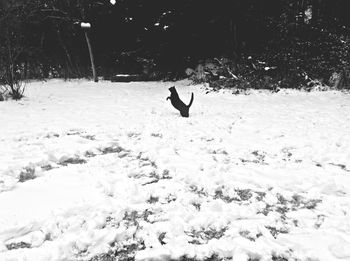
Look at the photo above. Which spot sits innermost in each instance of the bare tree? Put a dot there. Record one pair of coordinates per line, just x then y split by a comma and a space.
12, 45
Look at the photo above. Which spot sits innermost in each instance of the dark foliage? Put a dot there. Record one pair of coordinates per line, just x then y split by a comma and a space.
259, 44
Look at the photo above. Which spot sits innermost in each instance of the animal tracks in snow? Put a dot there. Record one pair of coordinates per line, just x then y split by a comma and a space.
277, 212
257, 177
55, 156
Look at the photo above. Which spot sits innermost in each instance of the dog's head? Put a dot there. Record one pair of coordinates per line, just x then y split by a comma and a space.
172, 89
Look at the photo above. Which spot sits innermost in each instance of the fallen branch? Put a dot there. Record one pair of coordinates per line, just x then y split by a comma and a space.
229, 71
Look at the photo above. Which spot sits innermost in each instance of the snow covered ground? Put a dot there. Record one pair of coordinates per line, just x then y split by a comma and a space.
92, 171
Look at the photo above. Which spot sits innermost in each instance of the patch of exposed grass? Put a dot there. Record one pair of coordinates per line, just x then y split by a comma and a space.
342, 166
279, 258
157, 135
163, 175
153, 200
197, 206
286, 205
73, 132
258, 157
242, 195
104, 257
145, 161
26, 174
248, 235
47, 167
71, 161
157, 177
213, 257
121, 251
52, 135
319, 222
198, 191
170, 198
111, 149
204, 235
275, 231
260, 195
133, 134
90, 154
18, 245
89, 137
110, 222
132, 218
127, 251
219, 194
161, 238
298, 202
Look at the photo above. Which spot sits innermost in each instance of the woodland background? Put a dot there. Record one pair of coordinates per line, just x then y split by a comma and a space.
228, 43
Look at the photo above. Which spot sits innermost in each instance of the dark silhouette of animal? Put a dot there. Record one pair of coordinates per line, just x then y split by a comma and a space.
178, 104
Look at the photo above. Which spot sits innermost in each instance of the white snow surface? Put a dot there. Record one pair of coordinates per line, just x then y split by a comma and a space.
89, 171
85, 25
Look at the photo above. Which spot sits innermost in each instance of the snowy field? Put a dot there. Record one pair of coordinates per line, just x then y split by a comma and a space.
92, 171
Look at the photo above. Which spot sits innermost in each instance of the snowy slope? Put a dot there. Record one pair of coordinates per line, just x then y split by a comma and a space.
90, 171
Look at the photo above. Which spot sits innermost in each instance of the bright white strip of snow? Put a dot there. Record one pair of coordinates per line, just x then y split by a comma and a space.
85, 25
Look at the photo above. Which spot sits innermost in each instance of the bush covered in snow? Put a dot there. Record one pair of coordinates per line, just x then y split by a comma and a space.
290, 62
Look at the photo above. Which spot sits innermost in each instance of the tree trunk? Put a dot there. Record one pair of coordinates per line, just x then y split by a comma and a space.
69, 62
10, 63
316, 11
234, 18
94, 74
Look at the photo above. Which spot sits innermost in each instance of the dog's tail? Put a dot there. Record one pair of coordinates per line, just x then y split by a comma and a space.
189, 105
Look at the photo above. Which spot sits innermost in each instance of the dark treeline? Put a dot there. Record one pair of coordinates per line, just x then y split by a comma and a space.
158, 38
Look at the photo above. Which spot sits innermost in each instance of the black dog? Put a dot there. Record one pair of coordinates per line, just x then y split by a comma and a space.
178, 104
